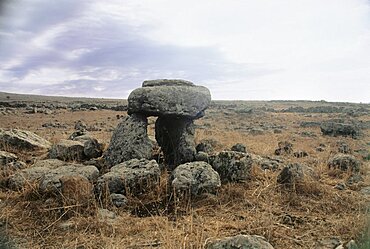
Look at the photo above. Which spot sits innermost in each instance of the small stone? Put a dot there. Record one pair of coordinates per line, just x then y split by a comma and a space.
118, 200
240, 242
105, 215
352, 245
340, 186
239, 148
285, 148
328, 243
300, 154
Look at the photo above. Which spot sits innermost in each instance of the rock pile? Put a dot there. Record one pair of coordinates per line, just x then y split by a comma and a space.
176, 103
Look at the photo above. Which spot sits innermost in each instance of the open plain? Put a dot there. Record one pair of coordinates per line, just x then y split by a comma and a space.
328, 209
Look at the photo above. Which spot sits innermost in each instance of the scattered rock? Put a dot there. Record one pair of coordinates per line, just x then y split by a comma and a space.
285, 148
256, 131
365, 191
195, 178
352, 245
355, 178
232, 166
135, 176
6, 158
206, 145
307, 124
169, 98
80, 125
344, 148
54, 125
339, 129
328, 243
77, 134
201, 156
129, 141
239, 148
23, 140
67, 150
300, 153
118, 200
344, 162
76, 190
104, 215
340, 186
294, 173
270, 164
92, 148
241, 242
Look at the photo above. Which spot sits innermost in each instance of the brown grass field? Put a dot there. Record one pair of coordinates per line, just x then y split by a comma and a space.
294, 218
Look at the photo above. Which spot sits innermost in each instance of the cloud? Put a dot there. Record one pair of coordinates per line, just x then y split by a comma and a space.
239, 49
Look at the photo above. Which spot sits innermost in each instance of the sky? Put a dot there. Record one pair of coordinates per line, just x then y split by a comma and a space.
239, 49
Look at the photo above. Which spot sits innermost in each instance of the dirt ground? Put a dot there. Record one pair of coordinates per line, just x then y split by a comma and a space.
295, 218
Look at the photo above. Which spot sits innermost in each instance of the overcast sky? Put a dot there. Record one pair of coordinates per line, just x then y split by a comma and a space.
239, 49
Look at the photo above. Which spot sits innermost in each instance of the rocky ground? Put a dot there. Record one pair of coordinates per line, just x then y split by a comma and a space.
296, 177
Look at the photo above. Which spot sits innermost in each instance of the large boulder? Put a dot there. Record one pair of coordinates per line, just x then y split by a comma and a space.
195, 178
167, 97
134, 176
92, 147
344, 162
23, 140
47, 174
129, 141
339, 129
240, 242
232, 166
67, 150
176, 138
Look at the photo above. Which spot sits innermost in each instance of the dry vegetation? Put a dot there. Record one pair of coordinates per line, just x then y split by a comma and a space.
288, 218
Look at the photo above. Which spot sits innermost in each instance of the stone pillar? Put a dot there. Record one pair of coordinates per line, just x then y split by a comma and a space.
129, 141
175, 135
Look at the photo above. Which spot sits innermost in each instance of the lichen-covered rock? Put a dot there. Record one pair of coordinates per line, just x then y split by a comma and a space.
92, 147
239, 148
344, 162
201, 156
169, 98
232, 166
129, 141
300, 153
47, 174
135, 177
6, 158
206, 145
195, 178
23, 140
240, 242
339, 129
284, 148
118, 200
344, 148
67, 150
176, 138
294, 173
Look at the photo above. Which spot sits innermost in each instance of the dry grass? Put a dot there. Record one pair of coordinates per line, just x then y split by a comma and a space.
288, 218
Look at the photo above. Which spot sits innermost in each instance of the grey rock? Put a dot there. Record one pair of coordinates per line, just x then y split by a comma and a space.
344, 162
355, 178
67, 225
201, 156
77, 134
328, 243
340, 186
232, 166
176, 138
47, 174
169, 97
206, 145
257, 131
67, 150
365, 191
344, 148
300, 153
284, 148
293, 173
80, 125
118, 200
129, 141
269, 164
352, 245
239, 148
6, 158
92, 147
23, 140
240, 242
339, 129
105, 215
135, 177
195, 178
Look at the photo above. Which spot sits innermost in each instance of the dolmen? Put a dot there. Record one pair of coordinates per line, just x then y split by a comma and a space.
176, 103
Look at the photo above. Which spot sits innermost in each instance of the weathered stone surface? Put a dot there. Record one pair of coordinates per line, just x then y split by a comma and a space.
134, 176
129, 141
21, 139
169, 97
118, 200
92, 147
206, 145
67, 150
201, 156
195, 178
48, 177
285, 148
6, 158
232, 166
300, 153
240, 242
339, 129
294, 173
328, 243
344, 162
239, 148
176, 138
344, 148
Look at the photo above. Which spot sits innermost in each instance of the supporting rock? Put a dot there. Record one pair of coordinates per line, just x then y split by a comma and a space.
129, 141
175, 135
